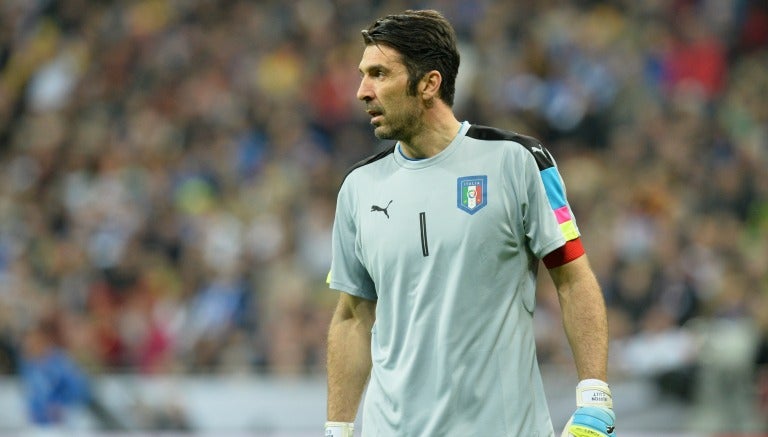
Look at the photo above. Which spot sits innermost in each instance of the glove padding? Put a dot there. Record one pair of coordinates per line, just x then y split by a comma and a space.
594, 415
339, 429
591, 422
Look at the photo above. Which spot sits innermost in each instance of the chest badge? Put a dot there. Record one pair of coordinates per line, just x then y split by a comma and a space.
471, 193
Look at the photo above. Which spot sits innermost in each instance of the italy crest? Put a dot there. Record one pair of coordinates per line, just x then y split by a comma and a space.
471, 193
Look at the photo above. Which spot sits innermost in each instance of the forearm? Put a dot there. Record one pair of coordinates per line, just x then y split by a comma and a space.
585, 321
348, 366
587, 332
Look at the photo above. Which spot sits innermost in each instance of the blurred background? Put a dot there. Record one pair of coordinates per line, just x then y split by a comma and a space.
168, 173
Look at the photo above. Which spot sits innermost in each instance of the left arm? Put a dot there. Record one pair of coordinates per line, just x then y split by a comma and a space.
584, 317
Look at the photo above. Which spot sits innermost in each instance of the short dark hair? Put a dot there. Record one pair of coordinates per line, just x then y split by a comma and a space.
426, 41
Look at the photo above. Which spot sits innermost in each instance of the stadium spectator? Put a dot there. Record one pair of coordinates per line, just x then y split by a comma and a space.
55, 387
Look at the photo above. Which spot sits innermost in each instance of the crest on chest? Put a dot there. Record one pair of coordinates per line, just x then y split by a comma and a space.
472, 193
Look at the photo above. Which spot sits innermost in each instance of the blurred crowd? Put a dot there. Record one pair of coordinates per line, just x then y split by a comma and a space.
169, 171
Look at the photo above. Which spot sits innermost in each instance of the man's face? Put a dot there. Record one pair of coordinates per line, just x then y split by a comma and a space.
383, 87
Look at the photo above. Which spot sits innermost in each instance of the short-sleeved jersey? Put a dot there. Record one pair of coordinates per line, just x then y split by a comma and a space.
449, 248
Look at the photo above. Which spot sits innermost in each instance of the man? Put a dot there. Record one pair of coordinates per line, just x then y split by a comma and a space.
55, 387
436, 245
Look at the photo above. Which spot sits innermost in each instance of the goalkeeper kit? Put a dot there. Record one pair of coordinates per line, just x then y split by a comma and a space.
593, 417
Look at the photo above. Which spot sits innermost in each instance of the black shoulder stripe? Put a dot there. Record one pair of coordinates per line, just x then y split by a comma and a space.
371, 159
540, 153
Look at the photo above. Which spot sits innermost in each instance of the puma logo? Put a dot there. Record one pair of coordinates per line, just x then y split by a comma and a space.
538, 149
384, 210
543, 152
610, 429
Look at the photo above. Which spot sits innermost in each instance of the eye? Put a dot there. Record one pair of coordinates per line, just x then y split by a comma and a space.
374, 72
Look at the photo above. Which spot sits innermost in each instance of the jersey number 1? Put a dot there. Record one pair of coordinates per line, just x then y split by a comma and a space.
423, 225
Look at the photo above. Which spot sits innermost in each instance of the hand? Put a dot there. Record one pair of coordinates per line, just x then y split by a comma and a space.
591, 422
339, 429
594, 415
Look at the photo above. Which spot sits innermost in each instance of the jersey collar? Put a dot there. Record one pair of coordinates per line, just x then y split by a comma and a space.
407, 162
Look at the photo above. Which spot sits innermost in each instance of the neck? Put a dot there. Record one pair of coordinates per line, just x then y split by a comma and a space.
440, 127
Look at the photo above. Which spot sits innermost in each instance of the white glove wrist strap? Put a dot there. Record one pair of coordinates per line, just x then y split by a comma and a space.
593, 392
339, 429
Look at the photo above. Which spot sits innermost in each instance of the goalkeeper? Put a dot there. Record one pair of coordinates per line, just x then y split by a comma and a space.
436, 246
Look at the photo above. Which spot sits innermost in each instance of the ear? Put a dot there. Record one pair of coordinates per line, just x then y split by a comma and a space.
429, 86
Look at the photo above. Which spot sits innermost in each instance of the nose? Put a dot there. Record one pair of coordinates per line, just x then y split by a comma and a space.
364, 91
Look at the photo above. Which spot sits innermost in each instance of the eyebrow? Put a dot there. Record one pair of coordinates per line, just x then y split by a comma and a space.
373, 67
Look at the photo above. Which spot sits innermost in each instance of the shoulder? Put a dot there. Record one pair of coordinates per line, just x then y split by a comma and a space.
518, 142
367, 163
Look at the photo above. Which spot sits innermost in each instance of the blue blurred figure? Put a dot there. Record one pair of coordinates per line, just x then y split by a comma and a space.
54, 385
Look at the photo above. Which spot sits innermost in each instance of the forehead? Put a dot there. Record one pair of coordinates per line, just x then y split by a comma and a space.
380, 56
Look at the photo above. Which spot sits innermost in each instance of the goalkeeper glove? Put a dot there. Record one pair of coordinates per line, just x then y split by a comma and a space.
594, 415
339, 429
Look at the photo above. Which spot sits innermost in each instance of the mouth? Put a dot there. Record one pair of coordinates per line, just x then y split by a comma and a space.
376, 115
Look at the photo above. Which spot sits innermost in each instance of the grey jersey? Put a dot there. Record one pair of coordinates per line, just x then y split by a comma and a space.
449, 248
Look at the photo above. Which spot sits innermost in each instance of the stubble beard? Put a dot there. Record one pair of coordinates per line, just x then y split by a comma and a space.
401, 128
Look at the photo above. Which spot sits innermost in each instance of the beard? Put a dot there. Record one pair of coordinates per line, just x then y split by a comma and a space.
402, 125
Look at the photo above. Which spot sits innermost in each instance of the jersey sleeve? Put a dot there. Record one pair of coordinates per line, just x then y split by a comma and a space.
348, 274
548, 221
